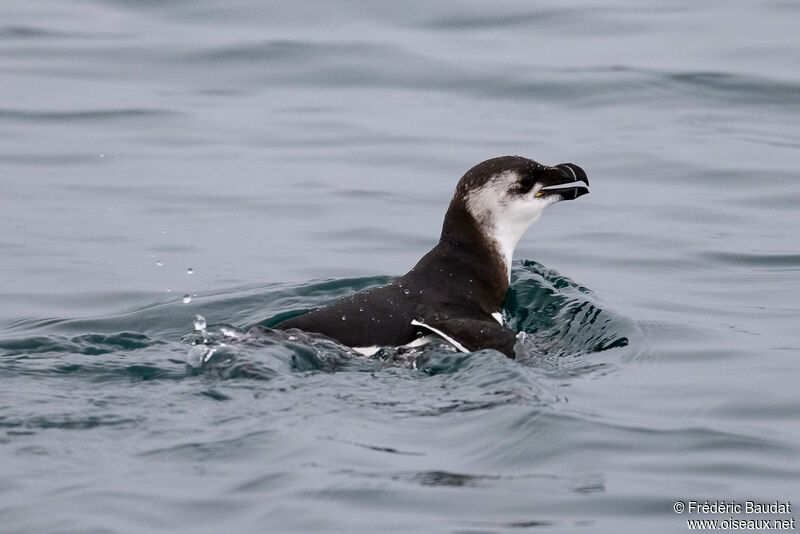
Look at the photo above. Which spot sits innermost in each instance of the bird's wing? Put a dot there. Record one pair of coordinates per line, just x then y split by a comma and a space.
469, 335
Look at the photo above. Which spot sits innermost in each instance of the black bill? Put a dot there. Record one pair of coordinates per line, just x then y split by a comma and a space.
571, 184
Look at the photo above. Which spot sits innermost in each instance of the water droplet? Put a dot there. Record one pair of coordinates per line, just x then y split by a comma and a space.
187, 298
199, 322
169, 290
210, 353
191, 271
197, 355
406, 291
229, 332
101, 155
292, 338
344, 317
160, 263
361, 308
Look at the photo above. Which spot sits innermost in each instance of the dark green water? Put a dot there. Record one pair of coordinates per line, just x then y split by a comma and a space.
241, 161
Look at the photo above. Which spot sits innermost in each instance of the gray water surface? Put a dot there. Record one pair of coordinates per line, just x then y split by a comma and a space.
256, 158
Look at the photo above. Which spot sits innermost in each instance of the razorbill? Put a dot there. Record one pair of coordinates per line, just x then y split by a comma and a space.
457, 290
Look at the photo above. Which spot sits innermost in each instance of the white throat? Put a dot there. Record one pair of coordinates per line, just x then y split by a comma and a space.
505, 219
506, 236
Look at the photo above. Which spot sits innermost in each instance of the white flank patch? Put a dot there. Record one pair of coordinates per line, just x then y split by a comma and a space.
366, 351
498, 317
370, 351
444, 336
419, 341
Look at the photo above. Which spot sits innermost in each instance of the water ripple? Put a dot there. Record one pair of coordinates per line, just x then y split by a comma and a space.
81, 116
89, 344
755, 261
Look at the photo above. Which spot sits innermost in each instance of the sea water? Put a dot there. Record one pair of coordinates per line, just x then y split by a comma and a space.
175, 173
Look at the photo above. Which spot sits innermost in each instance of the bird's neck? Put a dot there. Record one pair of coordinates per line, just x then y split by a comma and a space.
463, 232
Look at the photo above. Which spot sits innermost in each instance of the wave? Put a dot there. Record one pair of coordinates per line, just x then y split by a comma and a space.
85, 115
561, 321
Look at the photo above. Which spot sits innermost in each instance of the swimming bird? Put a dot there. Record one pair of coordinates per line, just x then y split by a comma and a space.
458, 289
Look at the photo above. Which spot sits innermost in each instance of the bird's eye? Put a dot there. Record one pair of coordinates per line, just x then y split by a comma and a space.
525, 184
